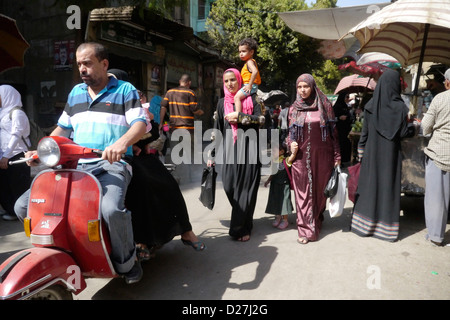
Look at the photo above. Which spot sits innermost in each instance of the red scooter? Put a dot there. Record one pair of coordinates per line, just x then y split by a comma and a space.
70, 242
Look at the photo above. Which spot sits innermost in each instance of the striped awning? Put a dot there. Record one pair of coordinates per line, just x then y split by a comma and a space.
400, 29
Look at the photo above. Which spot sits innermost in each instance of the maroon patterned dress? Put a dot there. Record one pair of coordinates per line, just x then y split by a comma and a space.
311, 170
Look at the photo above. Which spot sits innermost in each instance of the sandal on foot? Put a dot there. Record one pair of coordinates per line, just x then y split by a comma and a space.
276, 222
283, 225
244, 238
435, 243
302, 240
198, 246
143, 253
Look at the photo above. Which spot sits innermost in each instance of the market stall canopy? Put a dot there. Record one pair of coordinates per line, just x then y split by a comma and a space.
371, 64
330, 25
412, 31
12, 46
378, 57
362, 70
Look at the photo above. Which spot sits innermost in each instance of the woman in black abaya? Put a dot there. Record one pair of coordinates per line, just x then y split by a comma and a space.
377, 207
158, 208
240, 178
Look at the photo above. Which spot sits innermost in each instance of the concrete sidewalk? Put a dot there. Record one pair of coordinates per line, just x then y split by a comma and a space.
272, 265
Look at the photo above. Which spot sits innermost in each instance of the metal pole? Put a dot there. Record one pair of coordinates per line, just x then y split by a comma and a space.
422, 54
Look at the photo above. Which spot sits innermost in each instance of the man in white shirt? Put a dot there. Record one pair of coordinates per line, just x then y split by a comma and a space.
437, 164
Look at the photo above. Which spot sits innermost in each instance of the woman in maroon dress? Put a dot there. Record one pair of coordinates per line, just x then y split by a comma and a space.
312, 126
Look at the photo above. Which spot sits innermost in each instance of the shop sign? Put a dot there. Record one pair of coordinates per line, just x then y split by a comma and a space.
126, 35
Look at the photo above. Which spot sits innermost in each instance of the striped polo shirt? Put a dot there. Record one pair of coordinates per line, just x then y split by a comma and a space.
98, 123
181, 103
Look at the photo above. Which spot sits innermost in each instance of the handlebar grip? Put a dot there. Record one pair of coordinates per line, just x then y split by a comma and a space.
22, 160
124, 157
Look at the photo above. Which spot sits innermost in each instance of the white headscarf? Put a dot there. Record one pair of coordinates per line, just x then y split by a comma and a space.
12, 130
10, 98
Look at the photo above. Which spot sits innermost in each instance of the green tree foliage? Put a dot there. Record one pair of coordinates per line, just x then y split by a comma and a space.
327, 76
322, 4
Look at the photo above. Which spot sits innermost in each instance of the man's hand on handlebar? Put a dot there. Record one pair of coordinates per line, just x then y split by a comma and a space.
114, 152
34, 162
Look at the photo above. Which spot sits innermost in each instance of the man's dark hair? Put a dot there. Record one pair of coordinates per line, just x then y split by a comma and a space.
100, 50
185, 78
249, 42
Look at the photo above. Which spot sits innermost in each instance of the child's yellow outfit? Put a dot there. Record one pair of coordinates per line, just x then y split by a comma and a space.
246, 76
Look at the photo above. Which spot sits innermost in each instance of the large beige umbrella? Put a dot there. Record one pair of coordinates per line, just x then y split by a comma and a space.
329, 25
403, 28
412, 31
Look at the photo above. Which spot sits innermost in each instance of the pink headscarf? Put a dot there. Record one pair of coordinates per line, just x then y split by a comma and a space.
228, 105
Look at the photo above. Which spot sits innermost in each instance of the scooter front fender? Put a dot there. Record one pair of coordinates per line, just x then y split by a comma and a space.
29, 271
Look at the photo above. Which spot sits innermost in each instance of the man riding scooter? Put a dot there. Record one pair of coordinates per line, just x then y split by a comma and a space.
106, 114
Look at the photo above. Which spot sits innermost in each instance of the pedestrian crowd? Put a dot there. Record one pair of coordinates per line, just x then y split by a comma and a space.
314, 141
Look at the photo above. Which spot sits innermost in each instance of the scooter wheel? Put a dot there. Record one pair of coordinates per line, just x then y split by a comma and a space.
55, 292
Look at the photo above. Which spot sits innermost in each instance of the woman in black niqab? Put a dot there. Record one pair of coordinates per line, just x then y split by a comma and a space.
387, 106
377, 206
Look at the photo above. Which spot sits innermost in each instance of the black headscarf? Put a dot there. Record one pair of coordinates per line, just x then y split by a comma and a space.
340, 107
119, 74
387, 106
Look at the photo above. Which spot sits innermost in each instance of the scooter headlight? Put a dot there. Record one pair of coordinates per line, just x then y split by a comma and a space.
48, 152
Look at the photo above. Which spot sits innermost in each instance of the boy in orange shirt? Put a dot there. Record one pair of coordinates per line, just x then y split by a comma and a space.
250, 73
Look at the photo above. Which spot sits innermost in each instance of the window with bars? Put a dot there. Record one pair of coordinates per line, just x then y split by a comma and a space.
202, 9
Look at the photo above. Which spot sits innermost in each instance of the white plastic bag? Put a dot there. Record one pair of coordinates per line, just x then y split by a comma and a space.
337, 203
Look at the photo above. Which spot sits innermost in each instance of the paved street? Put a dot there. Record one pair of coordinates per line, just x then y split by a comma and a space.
272, 265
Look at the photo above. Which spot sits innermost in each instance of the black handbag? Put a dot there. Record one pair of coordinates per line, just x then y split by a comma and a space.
332, 185
208, 187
